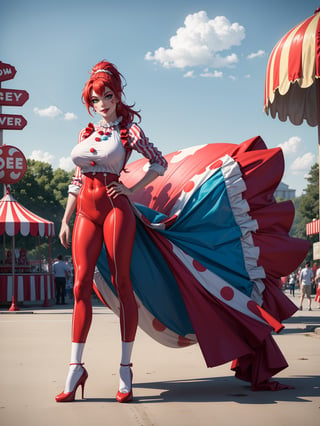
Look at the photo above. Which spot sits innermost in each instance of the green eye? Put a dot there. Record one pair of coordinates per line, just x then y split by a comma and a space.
94, 101
109, 96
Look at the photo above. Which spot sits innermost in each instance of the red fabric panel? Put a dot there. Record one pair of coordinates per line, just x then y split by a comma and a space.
257, 368
265, 167
276, 217
280, 254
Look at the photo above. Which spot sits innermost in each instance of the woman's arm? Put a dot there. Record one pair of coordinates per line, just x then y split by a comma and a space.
64, 233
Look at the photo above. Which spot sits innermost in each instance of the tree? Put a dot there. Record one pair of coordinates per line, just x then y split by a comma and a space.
43, 191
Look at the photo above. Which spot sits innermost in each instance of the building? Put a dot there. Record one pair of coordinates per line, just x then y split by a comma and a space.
284, 192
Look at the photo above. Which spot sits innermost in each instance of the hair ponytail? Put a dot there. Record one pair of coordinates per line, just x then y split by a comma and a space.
105, 74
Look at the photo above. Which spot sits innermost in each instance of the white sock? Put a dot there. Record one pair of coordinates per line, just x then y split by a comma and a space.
125, 372
126, 352
76, 353
75, 371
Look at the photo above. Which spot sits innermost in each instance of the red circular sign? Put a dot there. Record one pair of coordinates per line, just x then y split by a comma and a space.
13, 164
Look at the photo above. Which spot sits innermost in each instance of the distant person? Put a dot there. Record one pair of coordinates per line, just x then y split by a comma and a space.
61, 273
305, 280
69, 281
23, 262
8, 261
314, 272
292, 283
317, 280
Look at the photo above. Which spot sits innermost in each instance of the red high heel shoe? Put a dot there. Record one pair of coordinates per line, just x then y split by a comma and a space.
69, 396
127, 396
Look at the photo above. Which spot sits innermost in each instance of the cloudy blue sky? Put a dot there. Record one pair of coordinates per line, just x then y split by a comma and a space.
195, 69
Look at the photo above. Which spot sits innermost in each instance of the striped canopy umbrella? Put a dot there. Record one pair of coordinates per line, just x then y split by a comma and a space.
291, 84
14, 218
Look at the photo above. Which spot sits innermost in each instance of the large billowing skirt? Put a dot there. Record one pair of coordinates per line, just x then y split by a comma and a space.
210, 248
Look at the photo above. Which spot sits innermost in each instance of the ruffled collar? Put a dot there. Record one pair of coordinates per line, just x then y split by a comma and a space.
109, 125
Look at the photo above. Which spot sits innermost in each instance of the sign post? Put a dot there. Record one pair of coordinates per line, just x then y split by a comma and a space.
10, 97
12, 161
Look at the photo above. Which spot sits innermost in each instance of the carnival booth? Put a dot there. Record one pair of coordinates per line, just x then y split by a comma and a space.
20, 279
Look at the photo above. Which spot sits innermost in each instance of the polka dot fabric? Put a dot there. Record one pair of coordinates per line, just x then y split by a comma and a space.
211, 246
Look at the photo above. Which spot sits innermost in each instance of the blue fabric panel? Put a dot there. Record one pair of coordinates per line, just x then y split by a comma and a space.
154, 283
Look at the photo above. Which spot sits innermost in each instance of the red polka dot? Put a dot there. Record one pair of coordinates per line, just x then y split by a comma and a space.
183, 341
252, 306
157, 325
189, 186
216, 165
198, 266
227, 293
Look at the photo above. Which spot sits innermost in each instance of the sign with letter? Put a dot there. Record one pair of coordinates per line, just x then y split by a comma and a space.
7, 71
12, 97
12, 122
13, 164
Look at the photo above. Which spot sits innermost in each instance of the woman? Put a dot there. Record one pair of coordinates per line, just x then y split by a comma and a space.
210, 246
104, 215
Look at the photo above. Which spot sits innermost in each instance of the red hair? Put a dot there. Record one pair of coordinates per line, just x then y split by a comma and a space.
114, 81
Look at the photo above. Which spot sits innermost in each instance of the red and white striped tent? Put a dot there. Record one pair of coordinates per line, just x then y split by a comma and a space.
292, 76
312, 227
14, 218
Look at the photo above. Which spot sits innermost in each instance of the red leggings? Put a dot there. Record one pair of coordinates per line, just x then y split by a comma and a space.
102, 218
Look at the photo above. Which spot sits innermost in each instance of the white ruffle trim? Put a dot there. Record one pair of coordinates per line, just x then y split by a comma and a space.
235, 186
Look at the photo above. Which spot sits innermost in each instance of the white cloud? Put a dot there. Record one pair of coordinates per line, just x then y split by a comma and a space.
198, 41
70, 116
66, 163
290, 146
213, 74
303, 164
189, 74
227, 61
52, 111
257, 54
41, 156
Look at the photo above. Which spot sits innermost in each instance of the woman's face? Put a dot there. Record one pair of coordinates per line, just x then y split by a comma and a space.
105, 105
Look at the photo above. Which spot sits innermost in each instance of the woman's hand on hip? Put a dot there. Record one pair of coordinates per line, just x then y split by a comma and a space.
117, 188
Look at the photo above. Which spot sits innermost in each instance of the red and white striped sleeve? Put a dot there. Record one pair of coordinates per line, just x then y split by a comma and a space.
76, 182
140, 143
